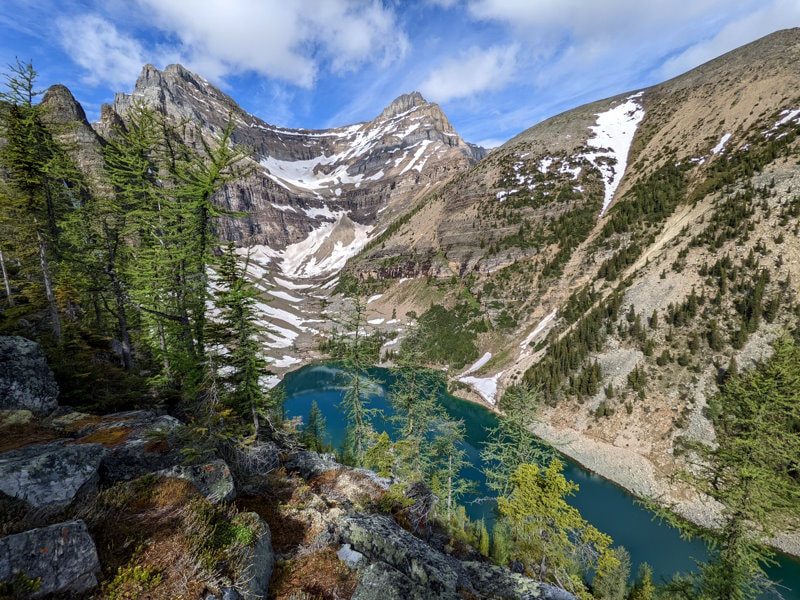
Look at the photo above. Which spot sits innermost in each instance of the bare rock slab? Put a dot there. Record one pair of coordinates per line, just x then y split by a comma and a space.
62, 558
26, 382
49, 476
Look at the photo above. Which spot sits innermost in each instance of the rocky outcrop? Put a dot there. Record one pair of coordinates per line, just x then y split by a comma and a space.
50, 476
259, 561
213, 480
311, 464
26, 382
59, 559
137, 442
402, 565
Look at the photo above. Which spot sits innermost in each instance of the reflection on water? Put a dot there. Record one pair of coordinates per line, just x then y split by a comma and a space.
605, 505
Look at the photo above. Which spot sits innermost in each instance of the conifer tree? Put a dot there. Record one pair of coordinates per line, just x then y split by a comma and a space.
357, 384
29, 154
751, 472
511, 443
550, 536
235, 297
450, 462
313, 436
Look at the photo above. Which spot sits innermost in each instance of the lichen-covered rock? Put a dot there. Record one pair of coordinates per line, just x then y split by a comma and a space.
59, 559
26, 382
11, 418
137, 442
403, 564
259, 560
311, 464
49, 476
213, 480
380, 538
381, 582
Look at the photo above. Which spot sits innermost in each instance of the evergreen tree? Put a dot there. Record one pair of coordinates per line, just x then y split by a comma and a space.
357, 384
511, 443
550, 536
313, 436
447, 482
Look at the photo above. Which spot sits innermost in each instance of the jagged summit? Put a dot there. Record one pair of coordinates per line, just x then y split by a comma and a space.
403, 103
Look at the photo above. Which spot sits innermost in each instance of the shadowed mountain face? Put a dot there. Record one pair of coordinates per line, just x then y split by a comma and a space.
306, 178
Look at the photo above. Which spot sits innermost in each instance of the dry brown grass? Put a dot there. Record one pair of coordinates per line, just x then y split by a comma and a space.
19, 436
110, 437
319, 575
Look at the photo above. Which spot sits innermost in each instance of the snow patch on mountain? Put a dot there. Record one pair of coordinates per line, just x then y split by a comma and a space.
613, 135
721, 145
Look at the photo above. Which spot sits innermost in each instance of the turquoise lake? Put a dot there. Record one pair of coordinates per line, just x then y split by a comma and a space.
607, 506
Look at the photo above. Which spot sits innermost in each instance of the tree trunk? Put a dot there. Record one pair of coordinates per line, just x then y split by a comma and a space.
5, 278
48, 283
122, 319
163, 342
449, 485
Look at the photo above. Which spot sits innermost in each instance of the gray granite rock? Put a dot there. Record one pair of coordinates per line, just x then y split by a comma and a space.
311, 464
259, 560
26, 382
62, 557
49, 476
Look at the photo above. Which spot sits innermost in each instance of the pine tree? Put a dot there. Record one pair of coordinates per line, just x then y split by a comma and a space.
511, 443
313, 436
483, 539
357, 384
550, 535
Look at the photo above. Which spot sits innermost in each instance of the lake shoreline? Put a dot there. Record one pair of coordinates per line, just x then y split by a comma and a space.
633, 473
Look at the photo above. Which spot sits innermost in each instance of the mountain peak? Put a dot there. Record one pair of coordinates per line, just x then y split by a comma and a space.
403, 103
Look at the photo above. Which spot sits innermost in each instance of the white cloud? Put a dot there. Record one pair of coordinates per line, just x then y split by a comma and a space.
477, 70
280, 39
778, 15
108, 55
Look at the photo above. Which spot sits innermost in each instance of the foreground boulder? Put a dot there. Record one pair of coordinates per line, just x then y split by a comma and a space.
26, 382
137, 442
50, 476
402, 565
59, 559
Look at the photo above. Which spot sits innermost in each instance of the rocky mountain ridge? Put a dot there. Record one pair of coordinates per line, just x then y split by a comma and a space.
574, 236
304, 179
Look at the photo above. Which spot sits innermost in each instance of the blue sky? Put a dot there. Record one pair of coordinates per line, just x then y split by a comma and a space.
496, 66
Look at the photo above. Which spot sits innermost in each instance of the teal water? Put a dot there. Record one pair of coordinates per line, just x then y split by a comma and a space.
607, 506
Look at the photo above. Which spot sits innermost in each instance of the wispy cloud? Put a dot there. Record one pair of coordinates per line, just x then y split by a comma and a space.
107, 55
475, 71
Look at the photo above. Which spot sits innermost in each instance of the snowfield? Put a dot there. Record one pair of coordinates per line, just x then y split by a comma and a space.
613, 135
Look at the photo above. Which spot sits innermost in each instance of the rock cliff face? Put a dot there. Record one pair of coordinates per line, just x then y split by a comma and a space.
306, 178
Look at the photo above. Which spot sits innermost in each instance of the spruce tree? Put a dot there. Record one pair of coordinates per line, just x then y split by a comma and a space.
511, 443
